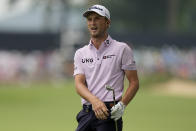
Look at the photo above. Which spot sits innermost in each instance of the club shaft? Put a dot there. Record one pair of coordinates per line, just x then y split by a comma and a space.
116, 126
114, 99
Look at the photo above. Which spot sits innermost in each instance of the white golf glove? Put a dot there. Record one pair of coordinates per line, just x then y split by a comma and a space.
117, 111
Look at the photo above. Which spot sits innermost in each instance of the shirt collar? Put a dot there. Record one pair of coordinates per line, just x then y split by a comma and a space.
106, 43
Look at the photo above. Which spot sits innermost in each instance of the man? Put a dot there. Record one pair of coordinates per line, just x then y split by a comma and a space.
104, 61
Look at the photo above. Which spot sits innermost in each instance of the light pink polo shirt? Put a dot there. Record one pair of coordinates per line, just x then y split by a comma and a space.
104, 66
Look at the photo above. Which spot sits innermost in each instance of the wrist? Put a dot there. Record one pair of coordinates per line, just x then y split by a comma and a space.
124, 102
93, 100
123, 105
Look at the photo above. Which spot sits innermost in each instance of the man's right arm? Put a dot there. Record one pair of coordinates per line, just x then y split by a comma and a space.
98, 106
81, 88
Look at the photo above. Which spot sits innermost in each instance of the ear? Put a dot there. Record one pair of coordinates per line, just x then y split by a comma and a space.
108, 23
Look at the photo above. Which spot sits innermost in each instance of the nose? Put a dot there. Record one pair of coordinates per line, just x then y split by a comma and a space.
93, 21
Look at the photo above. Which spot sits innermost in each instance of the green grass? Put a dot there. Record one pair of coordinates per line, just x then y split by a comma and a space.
148, 80
53, 107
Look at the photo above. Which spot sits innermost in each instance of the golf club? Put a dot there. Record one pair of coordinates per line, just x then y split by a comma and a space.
109, 88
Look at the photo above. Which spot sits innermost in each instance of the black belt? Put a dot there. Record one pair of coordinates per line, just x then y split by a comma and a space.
88, 108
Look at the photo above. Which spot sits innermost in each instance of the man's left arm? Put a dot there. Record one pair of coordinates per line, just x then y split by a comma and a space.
118, 110
132, 88
129, 67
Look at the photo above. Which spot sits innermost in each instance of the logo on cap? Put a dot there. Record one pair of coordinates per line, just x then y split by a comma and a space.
94, 7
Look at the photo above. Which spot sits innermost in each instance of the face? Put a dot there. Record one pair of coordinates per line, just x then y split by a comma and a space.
97, 25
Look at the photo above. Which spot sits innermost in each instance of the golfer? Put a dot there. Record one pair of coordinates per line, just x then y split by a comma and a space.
104, 62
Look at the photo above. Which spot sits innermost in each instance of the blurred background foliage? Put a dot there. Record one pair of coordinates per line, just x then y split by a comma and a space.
134, 15
161, 16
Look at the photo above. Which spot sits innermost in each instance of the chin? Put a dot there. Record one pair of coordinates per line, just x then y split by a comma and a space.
95, 35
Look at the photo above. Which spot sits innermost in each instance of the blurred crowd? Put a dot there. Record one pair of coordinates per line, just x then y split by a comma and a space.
180, 63
34, 65
38, 65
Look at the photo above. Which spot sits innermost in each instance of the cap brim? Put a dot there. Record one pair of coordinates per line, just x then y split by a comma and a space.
86, 14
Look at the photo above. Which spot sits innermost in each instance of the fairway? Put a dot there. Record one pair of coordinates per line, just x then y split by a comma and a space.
53, 106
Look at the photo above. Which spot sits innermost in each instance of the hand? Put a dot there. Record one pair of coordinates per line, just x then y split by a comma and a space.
117, 111
100, 109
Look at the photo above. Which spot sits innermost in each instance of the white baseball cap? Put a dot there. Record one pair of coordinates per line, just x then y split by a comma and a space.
99, 9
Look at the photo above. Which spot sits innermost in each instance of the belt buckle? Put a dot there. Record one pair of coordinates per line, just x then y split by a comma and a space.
87, 109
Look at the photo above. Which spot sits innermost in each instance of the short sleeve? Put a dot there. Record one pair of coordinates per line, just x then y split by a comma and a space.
77, 64
128, 62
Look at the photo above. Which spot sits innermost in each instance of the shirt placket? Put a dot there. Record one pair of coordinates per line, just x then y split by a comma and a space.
98, 57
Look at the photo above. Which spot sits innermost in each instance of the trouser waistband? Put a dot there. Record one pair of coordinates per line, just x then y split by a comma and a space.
109, 105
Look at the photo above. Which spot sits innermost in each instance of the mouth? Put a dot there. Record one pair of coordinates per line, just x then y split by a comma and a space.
94, 29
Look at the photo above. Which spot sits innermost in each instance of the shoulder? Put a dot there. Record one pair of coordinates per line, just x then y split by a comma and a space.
121, 45
81, 51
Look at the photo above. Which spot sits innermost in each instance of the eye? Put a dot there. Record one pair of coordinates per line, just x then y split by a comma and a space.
89, 19
97, 18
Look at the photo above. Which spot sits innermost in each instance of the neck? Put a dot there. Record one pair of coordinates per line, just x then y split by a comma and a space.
96, 41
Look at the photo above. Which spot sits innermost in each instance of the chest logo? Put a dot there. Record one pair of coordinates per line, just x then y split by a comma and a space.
87, 60
108, 56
